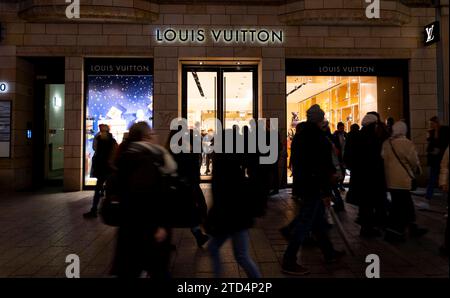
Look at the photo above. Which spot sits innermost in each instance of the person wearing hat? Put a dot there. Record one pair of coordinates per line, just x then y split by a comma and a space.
369, 186
401, 165
315, 172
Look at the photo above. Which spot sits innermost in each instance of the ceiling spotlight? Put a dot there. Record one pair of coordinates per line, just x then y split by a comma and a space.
201, 63
238, 63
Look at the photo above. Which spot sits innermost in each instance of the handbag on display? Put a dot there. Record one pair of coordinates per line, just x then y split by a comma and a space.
413, 179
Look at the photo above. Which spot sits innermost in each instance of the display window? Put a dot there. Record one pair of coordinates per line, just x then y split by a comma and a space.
119, 93
349, 91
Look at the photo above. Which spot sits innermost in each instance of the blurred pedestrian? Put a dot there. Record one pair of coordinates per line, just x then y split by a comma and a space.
232, 212
188, 170
315, 172
143, 242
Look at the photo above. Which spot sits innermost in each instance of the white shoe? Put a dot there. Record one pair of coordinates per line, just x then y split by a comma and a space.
423, 206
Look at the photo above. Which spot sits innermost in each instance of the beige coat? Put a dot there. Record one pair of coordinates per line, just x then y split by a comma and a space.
396, 175
443, 175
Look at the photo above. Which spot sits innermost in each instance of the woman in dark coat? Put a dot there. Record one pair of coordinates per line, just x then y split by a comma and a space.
231, 215
143, 242
104, 146
369, 185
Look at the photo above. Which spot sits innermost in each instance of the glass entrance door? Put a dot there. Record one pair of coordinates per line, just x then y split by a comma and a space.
54, 119
226, 93
237, 98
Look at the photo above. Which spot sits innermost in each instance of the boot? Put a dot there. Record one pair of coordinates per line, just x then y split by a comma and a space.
90, 214
200, 238
293, 268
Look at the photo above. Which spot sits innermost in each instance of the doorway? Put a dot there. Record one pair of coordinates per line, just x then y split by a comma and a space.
228, 93
45, 130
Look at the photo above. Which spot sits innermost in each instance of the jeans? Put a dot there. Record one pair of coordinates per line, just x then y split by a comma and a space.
434, 176
240, 241
311, 218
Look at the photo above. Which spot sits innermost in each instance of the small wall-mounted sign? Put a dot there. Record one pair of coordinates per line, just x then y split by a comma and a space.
5, 128
431, 33
3, 87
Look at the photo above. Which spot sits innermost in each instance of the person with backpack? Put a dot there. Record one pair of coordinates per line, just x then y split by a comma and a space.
143, 242
401, 166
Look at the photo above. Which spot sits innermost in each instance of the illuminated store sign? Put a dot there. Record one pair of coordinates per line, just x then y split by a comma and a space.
3, 87
431, 33
219, 35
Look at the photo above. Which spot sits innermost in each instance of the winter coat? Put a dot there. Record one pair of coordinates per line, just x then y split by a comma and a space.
139, 174
367, 167
140, 168
395, 173
188, 165
103, 156
312, 163
232, 199
443, 175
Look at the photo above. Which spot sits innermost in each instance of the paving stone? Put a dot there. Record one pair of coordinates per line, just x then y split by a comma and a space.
38, 230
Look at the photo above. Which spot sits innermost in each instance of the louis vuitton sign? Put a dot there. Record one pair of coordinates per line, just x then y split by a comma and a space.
238, 36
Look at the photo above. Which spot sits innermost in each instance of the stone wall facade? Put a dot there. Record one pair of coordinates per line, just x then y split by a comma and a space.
327, 35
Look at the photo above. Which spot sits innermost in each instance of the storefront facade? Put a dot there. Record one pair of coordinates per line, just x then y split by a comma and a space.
234, 60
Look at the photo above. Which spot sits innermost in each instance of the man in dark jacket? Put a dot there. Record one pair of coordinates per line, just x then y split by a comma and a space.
437, 143
315, 172
104, 146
